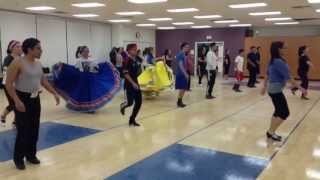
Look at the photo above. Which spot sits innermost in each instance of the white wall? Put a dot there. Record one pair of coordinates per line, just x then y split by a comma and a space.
288, 31
59, 36
122, 35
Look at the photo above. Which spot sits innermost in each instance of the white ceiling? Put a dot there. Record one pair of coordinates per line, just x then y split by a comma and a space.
206, 7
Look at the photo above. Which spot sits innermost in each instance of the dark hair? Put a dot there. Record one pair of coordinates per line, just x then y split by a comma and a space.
252, 47
301, 50
275, 50
241, 51
166, 52
258, 48
29, 43
131, 46
227, 50
184, 44
80, 49
11, 45
212, 45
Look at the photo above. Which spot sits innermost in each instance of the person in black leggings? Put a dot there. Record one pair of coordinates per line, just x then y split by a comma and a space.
14, 51
303, 69
202, 65
277, 77
131, 71
226, 64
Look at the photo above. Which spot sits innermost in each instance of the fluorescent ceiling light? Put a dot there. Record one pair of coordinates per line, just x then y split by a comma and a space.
166, 28
314, 1
182, 23
226, 21
88, 5
249, 5
85, 15
160, 19
265, 13
182, 10
40, 8
318, 10
146, 1
208, 17
278, 19
130, 13
287, 23
119, 20
201, 27
240, 25
145, 25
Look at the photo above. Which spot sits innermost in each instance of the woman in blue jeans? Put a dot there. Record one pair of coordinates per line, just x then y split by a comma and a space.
277, 77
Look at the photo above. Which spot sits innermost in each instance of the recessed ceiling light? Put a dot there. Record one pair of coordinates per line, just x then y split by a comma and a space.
166, 28
130, 13
182, 23
160, 19
146, 1
119, 20
265, 13
208, 17
145, 25
40, 8
182, 10
88, 5
249, 5
240, 25
278, 19
318, 10
314, 1
201, 27
286, 23
85, 15
226, 21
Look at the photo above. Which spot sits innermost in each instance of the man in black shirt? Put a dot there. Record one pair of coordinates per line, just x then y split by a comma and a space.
252, 67
131, 71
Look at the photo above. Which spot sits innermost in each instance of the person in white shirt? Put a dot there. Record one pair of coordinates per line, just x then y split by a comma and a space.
239, 61
211, 59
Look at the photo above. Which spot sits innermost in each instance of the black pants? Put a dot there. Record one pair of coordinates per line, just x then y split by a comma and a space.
27, 124
280, 105
10, 107
133, 96
211, 81
304, 79
202, 72
226, 68
252, 76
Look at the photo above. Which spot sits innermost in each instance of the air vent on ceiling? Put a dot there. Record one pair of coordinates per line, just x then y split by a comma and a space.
301, 7
306, 19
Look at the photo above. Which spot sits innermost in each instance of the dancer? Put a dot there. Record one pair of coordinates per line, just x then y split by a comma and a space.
226, 64
168, 57
239, 70
131, 71
14, 51
182, 77
149, 56
252, 67
258, 63
276, 79
202, 65
89, 85
303, 69
25, 76
211, 59
119, 61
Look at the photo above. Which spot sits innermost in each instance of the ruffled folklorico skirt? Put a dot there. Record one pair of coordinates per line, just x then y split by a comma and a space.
86, 91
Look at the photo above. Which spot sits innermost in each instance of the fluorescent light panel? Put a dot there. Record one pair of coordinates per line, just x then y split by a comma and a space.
182, 23
314, 1
240, 25
201, 27
130, 13
119, 20
183, 10
166, 28
208, 17
145, 25
40, 8
160, 19
226, 21
278, 19
146, 1
88, 5
318, 10
286, 23
85, 15
249, 5
265, 13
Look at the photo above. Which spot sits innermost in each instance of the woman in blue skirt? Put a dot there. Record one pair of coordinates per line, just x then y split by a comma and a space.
182, 77
87, 86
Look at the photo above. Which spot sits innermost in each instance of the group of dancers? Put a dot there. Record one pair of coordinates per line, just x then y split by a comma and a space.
90, 84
